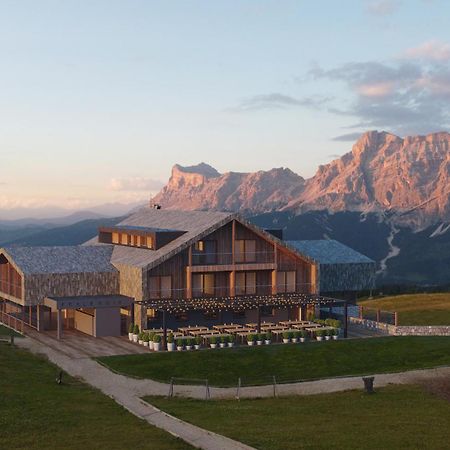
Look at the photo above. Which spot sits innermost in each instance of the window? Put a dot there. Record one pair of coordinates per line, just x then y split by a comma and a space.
245, 250
160, 287
245, 283
124, 239
203, 284
286, 281
204, 252
149, 242
115, 238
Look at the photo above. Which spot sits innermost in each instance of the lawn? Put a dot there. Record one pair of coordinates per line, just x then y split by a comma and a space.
395, 417
415, 309
257, 365
5, 331
37, 413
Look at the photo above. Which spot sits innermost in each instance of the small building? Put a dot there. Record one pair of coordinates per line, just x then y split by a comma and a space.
200, 267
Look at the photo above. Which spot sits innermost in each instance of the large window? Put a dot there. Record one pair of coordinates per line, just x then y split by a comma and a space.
245, 283
204, 252
203, 284
161, 287
245, 250
286, 281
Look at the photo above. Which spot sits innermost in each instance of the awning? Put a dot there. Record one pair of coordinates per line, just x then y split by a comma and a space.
88, 301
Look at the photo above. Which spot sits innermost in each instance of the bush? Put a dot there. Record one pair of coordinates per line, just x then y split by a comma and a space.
320, 333
170, 338
131, 328
261, 337
268, 336
156, 338
146, 337
224, 339
141, 336
136, 329
303, 334
251, 337
296, 334
286, 335
151, 335
213, 340
180, 342
198, 340
333, 323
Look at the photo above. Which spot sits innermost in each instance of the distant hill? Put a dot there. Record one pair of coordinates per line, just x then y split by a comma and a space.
74, 234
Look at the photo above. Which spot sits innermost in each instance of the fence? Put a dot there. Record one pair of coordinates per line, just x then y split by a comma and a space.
12, 322
377, 315
175, 381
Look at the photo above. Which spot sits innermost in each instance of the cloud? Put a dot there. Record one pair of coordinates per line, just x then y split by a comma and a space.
406, 97
349, 137
277, 101
431, 50
383, 7
135, 184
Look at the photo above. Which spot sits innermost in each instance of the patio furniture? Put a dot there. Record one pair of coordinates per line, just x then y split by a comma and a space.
187, 330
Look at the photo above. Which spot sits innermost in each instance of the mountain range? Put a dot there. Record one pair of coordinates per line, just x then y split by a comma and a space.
408, 178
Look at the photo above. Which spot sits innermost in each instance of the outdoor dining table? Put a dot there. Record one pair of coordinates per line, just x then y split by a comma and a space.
225, 326
157, 330
275, 328
185, 330
293, 322
302, 326
244, 330
233, 328
279, 333
200, 332
313, 326
243, 334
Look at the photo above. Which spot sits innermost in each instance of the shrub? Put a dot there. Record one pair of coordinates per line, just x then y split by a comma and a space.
296, 334
213, 340
157, 338
131, 328
141, 336
190, 341
224, 339
146, 337
251, 337
335, 332
261, 337
268, 336
198, 340
320, 333
303, 334
151, 335
170, 338
286, 335
180, 342
136, 329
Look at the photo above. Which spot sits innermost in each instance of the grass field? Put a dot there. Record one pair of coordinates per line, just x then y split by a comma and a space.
37, 413
5, 331
256, 365
395, 417
415, 309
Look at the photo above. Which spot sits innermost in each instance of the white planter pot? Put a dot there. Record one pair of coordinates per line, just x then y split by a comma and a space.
146, 344
180, 349
319, 338
150, 345
250, 343
230, 344
197, 347
302, 339
188, 347
327, 338
156, 346
130, 336
213, 345
223, 345
335, 337
135, 337
170, 347
259, 342
285, 341
267, 342
294, 340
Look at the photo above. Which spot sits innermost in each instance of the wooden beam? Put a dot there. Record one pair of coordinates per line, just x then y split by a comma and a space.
59, 324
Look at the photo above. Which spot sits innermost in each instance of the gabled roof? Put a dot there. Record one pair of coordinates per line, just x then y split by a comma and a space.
72, 259
196, 225
329, 251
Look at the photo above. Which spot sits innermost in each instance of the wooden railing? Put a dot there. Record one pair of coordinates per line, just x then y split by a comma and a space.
378, 315
12, 322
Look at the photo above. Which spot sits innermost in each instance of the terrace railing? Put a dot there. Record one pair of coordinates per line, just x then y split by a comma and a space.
378, 315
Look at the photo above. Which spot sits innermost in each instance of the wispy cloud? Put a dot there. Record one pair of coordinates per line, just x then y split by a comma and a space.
433, 50
278, 101
383, 7
349, 137
135, 184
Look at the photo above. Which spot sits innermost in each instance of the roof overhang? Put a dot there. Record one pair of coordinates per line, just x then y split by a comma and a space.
93, 301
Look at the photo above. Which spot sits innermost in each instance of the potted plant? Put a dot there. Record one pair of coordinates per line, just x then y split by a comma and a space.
130, 331
198, 343
213, 341
135, 332
319, 335
303, 335
146, 339
170, 343
268, 338
150, 341
223, 341
250, 339
260, 337
230, 341
156, 342
336, 334
295, 336
328, 334
180, 344
189, 343
141, 338
286, 337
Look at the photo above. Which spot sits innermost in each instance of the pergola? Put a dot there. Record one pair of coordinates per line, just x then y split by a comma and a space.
240, 303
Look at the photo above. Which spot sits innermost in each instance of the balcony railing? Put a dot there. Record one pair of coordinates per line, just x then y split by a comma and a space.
9, 288
225, 291
204, 259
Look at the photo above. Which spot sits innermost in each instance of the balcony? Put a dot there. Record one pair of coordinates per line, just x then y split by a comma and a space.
216, 261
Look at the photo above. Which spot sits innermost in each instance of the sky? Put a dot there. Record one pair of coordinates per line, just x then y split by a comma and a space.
99, 99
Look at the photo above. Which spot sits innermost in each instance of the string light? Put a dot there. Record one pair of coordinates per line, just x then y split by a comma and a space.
236, 304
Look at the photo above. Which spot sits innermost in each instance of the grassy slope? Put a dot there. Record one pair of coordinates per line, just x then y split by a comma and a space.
5, 331
396, 417
36, 413
222, 367
416, 309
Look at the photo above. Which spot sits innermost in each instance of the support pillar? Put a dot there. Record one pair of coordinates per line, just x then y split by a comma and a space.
303, 312
345, 319
164, 325
38, 318
59, 324
259, 319
140, 316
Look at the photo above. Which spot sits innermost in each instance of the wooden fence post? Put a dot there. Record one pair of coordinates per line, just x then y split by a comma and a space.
378, 315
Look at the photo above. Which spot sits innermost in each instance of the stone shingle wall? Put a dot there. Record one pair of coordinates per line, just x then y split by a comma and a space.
347, 277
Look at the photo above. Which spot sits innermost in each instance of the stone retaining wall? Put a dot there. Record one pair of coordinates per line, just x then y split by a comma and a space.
413, 330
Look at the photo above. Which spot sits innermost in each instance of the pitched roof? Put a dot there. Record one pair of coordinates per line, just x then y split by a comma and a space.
196, 224
329, 251
73, 259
